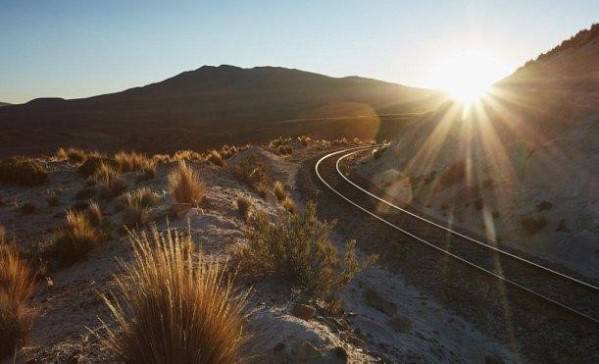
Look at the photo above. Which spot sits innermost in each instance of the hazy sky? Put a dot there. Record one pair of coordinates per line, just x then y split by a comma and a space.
82, 48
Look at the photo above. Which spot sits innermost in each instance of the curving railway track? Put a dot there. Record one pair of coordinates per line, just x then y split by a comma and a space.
564, 291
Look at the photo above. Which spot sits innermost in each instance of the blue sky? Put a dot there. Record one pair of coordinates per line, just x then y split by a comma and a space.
82, 48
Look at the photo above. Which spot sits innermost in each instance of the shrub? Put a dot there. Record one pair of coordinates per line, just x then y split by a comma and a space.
185, 185
94, 214
532, 225
17, 284
253, 174
175, 307
244, 205
21, 171
109, 183
136, 205
92, 164
288, 204
215, 158
297, 249
279, 191
129, 162
75, 241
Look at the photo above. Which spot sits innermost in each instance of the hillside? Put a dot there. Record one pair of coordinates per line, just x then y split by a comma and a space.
207, 107
4, 104
521, 169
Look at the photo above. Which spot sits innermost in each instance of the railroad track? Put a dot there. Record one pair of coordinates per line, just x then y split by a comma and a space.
564, 291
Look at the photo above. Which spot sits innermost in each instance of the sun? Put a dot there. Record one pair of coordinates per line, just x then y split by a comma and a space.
466, 76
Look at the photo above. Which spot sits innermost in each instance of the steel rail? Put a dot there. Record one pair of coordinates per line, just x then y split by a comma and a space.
432, 245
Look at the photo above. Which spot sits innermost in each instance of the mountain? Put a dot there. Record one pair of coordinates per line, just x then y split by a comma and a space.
208, 107
520, 168
4, 104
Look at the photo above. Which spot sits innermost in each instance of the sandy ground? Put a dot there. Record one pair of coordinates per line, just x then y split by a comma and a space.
385, 319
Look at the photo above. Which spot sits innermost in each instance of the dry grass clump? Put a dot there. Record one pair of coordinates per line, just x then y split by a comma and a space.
297, 249
3, 237
94, 214
20, 171
161, 158
280, 141
253, 174
137, 203
244, 205
304, 140
52, 197
279, 191
109, 183
185, 185
228, 151
187, 155
172, 307
75, 241
288, 204
285, 150
17, 283
215, 158
129, 162
72, 154
92, 164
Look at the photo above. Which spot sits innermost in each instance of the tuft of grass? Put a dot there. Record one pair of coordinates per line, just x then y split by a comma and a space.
94, 214
3, 237
185, 185
253, 174
136, 205
74, 242
244, 205
173, 307
279, 191
297, 249
20, 171
288, 204
215, 158
17, 283
72, 154
129, 162
108, 180
52, 198
92, 164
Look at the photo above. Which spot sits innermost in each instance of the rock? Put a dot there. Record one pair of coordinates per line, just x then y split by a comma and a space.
302, 311
374, 300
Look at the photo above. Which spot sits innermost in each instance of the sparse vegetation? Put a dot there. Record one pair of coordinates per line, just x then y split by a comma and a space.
129, 162
92, 164
185, 185
17, 284
20, 171
94, 214
285, 150
215, 158
109, 183
136, 205
175, 308
297, 249
279, 191
244, 205
75, 241
253, 174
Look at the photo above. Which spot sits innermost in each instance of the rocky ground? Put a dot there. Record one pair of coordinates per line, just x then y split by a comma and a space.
384, 319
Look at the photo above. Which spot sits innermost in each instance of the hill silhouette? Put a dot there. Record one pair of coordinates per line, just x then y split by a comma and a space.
208, 107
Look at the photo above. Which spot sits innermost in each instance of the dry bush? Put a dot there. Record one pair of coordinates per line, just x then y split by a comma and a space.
215, 158
253, 174
297, 249
17, 284
244, 205
279, 191
185, 185
129, 162
288, 204
92, 164
75, 241
109, 183
173, 307
136, 204
94, 214
187, 155
20, 171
